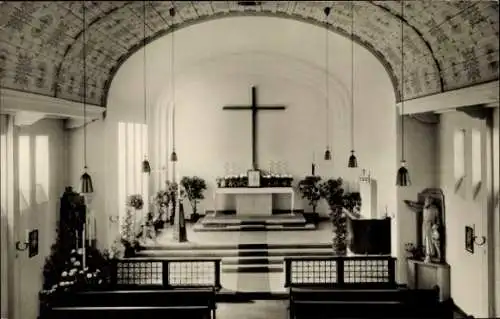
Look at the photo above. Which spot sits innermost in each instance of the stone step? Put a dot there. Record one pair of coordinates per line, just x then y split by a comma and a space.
236, 253
195, 246
252, 261
266, 227
252, 268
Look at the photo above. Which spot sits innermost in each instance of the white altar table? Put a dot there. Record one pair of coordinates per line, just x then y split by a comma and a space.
254, 201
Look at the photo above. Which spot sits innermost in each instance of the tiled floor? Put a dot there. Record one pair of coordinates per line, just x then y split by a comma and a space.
256, 309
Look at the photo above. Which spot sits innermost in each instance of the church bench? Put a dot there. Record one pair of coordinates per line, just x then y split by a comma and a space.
195, 312
313, 302
353, 287
148, 285
190, 303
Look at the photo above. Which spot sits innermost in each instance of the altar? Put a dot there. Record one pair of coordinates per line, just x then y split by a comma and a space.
254, 201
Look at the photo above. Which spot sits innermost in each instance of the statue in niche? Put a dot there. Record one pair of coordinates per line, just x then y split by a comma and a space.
430, 224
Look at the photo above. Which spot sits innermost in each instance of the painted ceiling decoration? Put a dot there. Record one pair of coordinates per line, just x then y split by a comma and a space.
448, 44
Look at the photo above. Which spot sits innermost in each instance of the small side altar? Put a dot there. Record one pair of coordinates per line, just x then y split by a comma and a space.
254, 201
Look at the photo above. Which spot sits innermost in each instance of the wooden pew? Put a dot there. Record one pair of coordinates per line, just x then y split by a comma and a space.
174, 303
326, 303
354, 287
150, 288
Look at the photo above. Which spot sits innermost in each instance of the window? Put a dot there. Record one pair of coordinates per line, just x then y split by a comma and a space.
42, 193
24, 158
459, 157
132, 145
3, 173
476, 161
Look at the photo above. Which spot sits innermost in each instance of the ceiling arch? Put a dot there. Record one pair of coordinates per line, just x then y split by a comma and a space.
447, 44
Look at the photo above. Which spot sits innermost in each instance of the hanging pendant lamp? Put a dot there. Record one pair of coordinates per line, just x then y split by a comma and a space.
173, 155
353, 161
146, 167
403, 177
328, 153
86, 180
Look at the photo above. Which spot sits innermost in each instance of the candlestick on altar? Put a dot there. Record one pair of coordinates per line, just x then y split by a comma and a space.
83, 247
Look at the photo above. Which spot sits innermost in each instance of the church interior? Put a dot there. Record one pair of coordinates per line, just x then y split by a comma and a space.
249, 159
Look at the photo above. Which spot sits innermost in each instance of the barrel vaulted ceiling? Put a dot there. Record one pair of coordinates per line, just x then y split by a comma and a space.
447, 44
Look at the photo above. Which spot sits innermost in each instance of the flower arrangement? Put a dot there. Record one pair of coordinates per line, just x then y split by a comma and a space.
267, 180
72, 275
129, 234
414, 251
193, 188
310, 189
135, 201
333, 192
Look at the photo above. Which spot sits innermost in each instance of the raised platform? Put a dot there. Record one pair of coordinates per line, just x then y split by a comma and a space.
234, 222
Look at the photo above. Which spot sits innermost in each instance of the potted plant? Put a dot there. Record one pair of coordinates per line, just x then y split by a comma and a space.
310, 189
333, 193
194, 187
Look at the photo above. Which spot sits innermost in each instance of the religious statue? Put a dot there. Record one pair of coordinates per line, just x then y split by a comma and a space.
430, 224
430, 229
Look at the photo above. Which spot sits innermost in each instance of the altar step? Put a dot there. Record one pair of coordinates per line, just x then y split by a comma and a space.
178, 254
232, 222
243, 258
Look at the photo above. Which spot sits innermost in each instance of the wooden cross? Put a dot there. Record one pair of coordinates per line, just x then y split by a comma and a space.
254, 108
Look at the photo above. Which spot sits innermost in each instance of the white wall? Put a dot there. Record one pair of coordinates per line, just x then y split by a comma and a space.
496, 211
469, 272
421, 145
216, 64
97, 160
41, 213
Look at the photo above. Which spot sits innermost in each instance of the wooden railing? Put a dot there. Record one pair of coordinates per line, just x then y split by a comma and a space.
340, 271
166, 273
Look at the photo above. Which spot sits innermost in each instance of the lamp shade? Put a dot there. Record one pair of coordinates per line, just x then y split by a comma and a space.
173, 156
86, 184
353, 161
146, 168
403, 177
328, 154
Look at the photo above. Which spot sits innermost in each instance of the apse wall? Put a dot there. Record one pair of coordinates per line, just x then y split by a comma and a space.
217, 62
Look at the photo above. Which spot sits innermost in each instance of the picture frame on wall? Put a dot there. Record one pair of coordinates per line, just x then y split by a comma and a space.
33, 243
253, 178
469, 239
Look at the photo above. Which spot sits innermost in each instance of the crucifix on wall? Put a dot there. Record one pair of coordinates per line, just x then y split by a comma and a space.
254, 108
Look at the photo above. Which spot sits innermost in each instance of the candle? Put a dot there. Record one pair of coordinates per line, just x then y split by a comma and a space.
83, 247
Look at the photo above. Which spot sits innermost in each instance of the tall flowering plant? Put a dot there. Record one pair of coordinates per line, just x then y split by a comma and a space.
193, 189
333, 192
310, 189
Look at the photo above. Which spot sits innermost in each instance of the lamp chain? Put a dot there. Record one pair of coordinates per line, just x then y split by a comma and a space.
352, 75
172, 84
84, 52
327, 12
144, 60
402, 86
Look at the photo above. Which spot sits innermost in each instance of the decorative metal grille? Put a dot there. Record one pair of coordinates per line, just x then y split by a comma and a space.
369, 271
139, 273
313, 271
191, 273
